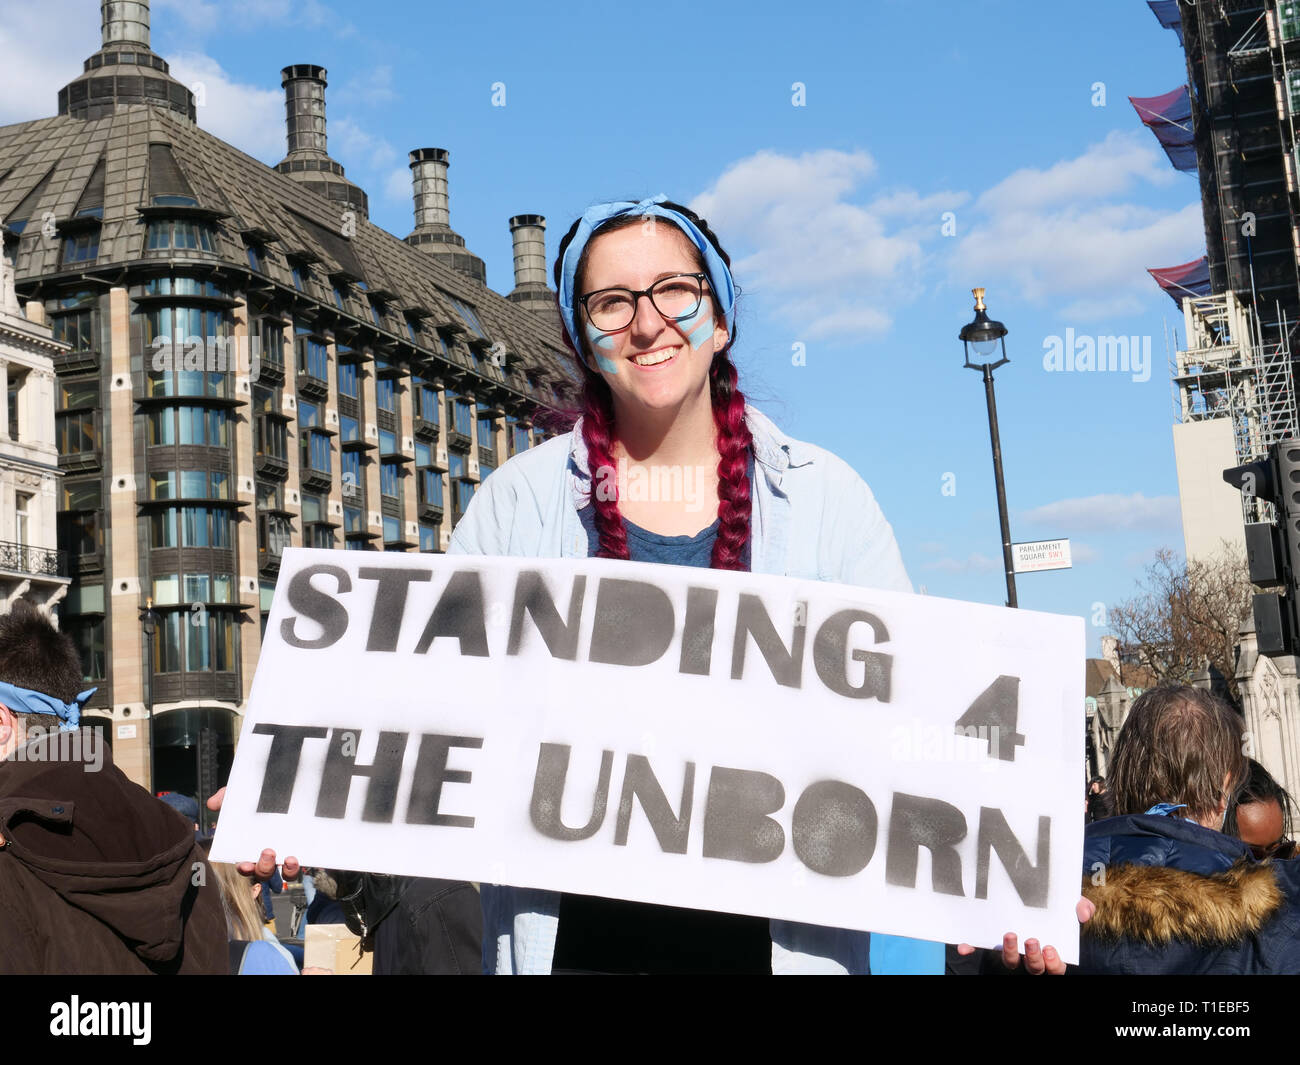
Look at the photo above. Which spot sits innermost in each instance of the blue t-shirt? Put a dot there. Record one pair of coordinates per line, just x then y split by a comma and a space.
646, 546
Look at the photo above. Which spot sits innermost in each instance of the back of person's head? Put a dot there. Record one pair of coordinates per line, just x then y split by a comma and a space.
36, 656
1179, 745
1259, 787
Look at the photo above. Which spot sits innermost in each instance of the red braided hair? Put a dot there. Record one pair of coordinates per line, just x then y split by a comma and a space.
599, 432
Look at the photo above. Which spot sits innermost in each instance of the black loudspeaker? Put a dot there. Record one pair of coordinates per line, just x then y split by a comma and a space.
1272, 624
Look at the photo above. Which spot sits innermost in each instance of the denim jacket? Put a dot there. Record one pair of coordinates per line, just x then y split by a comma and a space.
812, 517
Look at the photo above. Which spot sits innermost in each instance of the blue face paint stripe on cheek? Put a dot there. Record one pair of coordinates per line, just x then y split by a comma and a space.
601, 340
701, 332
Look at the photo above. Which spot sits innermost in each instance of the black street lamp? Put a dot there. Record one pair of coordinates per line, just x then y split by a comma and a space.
149, 623
986, 338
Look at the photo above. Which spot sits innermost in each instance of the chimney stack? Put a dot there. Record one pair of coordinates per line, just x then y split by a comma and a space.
429, 180
528, 231
304, 107
308, 162
433, 233
125, 22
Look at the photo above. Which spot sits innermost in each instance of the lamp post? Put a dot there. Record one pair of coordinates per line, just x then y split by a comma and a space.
149, 623
986, 338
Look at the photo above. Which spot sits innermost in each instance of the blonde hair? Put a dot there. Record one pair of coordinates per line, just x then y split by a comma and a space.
243, 914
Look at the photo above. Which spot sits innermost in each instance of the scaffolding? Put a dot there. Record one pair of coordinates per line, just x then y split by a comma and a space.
1228, 371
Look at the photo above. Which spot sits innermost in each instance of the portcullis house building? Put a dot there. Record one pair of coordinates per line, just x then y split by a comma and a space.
250, 364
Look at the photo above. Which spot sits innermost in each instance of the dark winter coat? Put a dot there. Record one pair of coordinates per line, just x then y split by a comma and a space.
98, 876
1174, 897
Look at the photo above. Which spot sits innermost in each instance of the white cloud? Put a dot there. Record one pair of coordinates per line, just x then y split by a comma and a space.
42, 47
397, 186
375, 87
1106, 169
247, 116
1083, 553
816, 252
972, 563
354, 145
1106, 513
1064, 232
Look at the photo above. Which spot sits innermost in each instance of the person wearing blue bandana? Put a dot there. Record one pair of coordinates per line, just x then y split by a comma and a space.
96, 874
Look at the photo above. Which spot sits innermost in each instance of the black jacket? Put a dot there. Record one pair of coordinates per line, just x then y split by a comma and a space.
1173, 897
96, 875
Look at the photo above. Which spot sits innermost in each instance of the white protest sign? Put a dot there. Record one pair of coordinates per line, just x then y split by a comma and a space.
730, 741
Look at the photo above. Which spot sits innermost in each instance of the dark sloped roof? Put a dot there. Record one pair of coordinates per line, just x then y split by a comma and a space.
253, 196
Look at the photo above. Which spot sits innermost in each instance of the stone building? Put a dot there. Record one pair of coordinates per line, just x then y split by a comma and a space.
248, 363
31, 565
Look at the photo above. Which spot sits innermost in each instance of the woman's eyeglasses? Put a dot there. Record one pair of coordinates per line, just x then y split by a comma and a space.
675, 297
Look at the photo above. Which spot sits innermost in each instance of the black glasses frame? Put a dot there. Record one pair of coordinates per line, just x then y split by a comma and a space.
636, 295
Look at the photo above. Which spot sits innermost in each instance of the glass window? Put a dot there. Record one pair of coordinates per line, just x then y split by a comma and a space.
386, 394
349, 428
387, 442
74, 329
352, 520
348, 379
338, 298
308, 414
87, 635
353, 485
521, 438
82, 495
423, 453
318, 536
427, 400
464, 417
313, 508
456, 464
389, 480
81, 248
431, 487
485, 469
316, 452
486, 435
392, 530
469, 314
429, 539
313, 358
76, 432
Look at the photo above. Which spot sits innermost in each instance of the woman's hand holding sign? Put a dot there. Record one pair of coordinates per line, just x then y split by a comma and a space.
1038, 960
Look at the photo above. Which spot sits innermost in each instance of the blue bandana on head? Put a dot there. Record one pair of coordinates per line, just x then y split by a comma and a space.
720, 280
26, 701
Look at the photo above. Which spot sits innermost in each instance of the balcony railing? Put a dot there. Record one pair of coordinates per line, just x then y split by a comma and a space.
37, 561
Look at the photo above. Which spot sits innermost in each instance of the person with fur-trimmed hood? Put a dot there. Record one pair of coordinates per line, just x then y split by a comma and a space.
1173, 894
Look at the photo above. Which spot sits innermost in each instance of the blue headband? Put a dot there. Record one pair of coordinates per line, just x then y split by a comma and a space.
26, 701
719, 276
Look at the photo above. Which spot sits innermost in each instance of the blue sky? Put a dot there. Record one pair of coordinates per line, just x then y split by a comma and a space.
832, 211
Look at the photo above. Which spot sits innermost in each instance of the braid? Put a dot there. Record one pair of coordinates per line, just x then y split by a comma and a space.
599, 432
733, 442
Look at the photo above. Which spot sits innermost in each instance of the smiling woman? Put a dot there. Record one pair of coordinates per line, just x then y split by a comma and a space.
649, 310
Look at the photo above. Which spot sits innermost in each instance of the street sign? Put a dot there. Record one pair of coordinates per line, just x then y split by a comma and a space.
1041, 554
